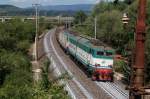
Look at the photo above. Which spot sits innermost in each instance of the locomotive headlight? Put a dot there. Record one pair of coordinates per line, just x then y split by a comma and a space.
97, 65
110, 66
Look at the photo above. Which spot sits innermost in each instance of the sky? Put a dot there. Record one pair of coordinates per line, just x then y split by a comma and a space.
28, 3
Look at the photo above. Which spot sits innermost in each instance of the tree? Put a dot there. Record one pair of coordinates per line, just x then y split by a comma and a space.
49, 88
129, 2
15, 67
15, 73
116, 1
80, 17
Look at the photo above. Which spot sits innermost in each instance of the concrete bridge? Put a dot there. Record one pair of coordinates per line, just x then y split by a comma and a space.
47, 19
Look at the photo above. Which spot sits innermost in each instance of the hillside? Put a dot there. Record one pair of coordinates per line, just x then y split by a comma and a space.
76, 7
9, 8
55, 10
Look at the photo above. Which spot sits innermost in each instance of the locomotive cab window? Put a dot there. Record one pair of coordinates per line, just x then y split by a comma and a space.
109, 53
100, 53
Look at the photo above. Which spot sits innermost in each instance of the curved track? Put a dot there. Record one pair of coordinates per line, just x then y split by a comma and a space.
80, 86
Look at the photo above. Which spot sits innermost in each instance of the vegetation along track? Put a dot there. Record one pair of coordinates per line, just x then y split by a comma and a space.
90, 89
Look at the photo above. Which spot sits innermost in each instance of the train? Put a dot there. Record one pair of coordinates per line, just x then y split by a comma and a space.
96, 57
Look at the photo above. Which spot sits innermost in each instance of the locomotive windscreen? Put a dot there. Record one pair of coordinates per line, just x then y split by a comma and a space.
101, 53
109, 53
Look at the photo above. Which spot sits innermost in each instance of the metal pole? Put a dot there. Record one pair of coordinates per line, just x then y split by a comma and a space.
95, 21
66, 24
59, 19
138, 67
37, 20
69, 24
36, 35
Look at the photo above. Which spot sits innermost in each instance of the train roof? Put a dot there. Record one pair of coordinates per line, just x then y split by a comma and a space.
89, 42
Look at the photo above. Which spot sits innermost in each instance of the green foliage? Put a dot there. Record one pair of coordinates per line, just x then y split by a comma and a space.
49, 88
14, 61
16, 82
44, 25
17, 85
45, 70
105, 6
109, 25
118, 65
23, 46
129, 2
15, 67
100, 8
122, 67
80, 17
14, 33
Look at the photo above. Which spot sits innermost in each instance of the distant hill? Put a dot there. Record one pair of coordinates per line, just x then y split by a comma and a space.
9, 8
76, 7
64, 10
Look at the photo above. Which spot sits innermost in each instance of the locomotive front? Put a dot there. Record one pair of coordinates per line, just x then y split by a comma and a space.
102, 63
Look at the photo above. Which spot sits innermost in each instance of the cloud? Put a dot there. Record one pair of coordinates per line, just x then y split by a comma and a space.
19, 1
97, 1
25, 3
30, 1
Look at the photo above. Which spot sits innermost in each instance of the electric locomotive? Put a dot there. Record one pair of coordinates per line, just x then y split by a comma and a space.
96, 57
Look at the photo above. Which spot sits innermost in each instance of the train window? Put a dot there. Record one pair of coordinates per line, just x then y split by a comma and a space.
108, 53
100, 53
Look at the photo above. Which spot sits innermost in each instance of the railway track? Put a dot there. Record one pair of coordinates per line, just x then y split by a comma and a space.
113, 90
74, 87
80, 86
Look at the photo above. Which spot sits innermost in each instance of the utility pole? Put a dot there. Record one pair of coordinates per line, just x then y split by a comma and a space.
66, 24
137, 88
95, 21
37, 26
